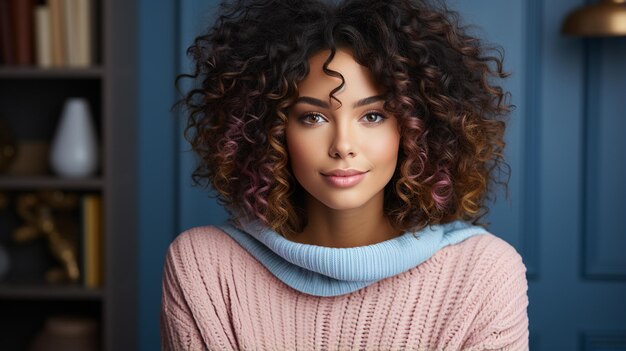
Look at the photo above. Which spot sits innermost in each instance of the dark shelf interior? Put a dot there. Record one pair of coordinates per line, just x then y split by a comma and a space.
32, 72
49, 182
30, 261
10, 291
32, 108
22, 320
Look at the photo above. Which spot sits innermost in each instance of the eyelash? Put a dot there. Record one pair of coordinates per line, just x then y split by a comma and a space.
304, 118
316, 114
382, 117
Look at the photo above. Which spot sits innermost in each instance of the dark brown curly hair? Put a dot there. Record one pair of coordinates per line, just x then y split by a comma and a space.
437, 84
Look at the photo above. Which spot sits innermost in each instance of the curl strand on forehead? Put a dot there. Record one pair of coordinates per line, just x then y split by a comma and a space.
439, 81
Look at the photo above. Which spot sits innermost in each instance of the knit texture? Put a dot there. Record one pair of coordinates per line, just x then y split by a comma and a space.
468, 296
327, 271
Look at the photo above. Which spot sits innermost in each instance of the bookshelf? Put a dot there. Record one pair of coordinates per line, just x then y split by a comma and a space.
31, 101
17, 72
48, 182
35, 292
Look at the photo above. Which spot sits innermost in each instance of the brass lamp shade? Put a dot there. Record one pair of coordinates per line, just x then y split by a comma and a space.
604, 19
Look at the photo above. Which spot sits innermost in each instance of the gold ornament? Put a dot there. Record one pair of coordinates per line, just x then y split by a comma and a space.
49, 214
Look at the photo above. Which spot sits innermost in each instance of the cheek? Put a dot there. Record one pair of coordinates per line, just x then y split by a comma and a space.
383, 148
301, 150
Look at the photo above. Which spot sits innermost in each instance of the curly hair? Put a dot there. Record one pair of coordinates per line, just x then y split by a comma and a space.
437, 80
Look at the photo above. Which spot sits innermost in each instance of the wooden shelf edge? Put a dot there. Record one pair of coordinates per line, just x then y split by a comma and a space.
49, 182
32, 72
48, 292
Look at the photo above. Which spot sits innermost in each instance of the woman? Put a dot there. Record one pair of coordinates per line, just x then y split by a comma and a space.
355, 146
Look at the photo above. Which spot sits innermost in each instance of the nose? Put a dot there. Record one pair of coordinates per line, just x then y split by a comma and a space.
343, 144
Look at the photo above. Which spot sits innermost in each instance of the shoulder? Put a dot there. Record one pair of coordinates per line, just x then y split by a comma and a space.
487, 278
204, 241
496, 293
482, 266
487, 253
207, 235
496, 266
194, 302
198, 258
202, 251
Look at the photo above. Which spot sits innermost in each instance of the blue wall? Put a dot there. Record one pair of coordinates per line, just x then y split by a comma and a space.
168, 203
565, 146
158, 159
195, 207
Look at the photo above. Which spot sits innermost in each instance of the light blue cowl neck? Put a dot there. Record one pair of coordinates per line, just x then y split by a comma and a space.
327, 271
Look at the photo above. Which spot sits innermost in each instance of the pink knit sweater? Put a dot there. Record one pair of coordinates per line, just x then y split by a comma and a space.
467, 296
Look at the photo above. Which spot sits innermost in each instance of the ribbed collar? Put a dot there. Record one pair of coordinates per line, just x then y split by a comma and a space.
327, 271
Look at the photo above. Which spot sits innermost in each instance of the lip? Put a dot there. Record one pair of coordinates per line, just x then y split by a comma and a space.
343, 172
344, 178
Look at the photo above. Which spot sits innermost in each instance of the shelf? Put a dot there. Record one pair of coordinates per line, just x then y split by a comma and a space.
30, 72
31, 100
48, 292
49, 182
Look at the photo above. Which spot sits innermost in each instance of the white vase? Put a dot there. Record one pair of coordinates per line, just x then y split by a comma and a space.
74, 151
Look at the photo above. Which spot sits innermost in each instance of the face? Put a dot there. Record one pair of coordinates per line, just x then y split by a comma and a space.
342, 156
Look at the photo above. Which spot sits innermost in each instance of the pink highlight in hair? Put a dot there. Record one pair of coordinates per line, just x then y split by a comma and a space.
442, 186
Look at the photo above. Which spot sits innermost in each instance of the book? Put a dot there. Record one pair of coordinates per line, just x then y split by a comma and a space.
71, 32
57, 32
85, 32
92, 240
43, 40
23, 31
7, 48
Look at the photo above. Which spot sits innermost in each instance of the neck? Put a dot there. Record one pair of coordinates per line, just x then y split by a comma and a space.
366, 225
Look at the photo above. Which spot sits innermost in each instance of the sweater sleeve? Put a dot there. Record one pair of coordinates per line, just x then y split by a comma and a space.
502, 321
178, 328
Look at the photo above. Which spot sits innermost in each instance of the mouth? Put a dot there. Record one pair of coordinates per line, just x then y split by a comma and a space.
342, 173
344, 178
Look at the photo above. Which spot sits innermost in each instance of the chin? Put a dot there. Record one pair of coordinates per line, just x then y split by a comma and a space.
343, 203
343, 206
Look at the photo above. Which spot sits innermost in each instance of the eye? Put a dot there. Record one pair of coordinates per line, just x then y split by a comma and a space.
373, 118
312, 119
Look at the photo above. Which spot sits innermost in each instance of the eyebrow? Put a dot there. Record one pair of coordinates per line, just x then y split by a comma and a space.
323, 104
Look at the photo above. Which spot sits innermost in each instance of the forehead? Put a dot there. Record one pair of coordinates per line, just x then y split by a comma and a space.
358, 79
